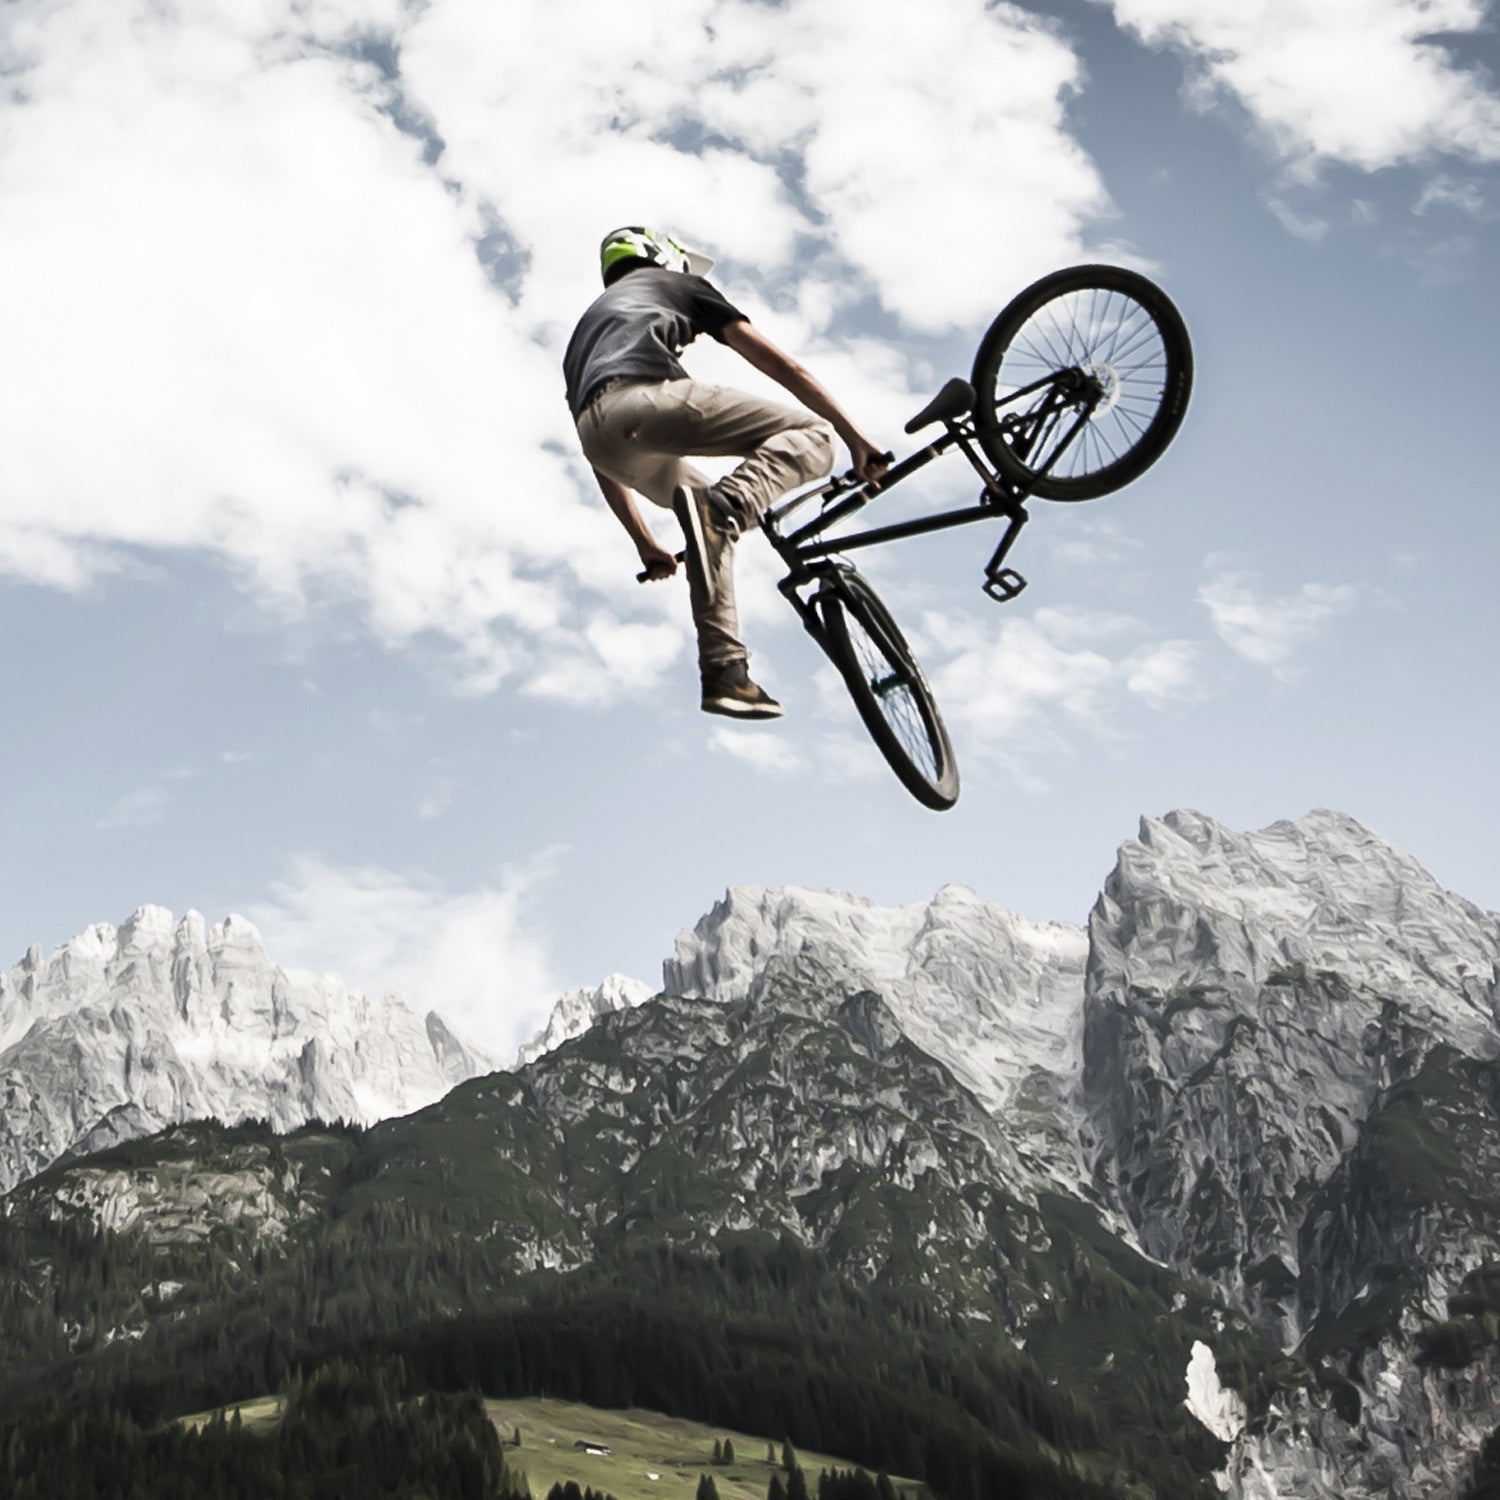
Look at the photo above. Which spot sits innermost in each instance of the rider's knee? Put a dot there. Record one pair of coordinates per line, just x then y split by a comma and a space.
820, 443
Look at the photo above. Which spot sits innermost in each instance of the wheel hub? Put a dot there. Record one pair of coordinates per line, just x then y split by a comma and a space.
1104, 382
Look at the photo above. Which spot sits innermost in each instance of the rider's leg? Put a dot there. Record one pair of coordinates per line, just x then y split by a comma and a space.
782, 446
609, 430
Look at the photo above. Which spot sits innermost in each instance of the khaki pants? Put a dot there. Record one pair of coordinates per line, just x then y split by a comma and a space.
641, 433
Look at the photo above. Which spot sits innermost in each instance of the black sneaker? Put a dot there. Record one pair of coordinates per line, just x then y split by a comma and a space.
728, 690
707, 534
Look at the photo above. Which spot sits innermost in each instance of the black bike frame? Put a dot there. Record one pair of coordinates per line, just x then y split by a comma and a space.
807, 557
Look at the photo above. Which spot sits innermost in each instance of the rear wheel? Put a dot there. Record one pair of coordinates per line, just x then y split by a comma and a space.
1081, 382
888, 689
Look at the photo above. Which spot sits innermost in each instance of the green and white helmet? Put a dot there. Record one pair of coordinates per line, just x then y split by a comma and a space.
637, 243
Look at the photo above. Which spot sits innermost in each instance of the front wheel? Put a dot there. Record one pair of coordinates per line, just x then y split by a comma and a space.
888, 688
1081, 382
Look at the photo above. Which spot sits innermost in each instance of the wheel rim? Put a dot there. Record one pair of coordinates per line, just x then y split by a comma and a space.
1114, 343
891, 689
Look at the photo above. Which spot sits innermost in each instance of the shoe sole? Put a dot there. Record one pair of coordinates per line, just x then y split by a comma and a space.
732, 708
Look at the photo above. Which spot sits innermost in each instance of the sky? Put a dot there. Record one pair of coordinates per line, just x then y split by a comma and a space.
309, 609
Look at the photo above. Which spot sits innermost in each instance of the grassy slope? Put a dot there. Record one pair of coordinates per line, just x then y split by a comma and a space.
642, 1443
259, 1415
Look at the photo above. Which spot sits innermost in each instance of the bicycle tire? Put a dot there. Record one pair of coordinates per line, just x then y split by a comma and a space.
888, 688
1123, 334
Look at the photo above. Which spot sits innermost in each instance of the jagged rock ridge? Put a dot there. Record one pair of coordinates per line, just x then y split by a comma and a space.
121, 1032
1290, 1039
576, 1011
997, 998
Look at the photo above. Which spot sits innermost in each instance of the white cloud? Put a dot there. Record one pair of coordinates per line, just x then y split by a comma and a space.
1464, 195
1070, 624
765, 751
138, 809
608, 659
1094, 543
472, 955
850, 757
994, 681
1310, 228
1355, 81
1019, 694
245, 314
38, 555
1166, 673
570, 118
1269, 631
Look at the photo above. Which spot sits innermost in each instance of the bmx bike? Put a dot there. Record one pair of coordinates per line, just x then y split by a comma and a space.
1077, 387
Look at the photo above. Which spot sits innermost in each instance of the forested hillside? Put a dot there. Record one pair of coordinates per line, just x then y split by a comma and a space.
352, 1253
1231, 1225
348, 1433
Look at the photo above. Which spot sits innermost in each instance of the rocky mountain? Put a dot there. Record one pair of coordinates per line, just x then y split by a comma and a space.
576, 1011
784, 1146
1252, 1000
997, 999
1290, 1070
1224, 1165
1269, 1060
123, 1031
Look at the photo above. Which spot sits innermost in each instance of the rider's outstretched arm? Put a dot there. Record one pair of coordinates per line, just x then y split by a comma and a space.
752, 345
657, 561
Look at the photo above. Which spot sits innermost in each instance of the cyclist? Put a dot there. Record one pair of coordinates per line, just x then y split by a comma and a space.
639, 416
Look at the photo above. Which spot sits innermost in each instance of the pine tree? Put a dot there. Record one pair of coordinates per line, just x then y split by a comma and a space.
796, 1486
707, 1489
788, 1456
771, 1454
728, 1450
718, 1457
776, 1490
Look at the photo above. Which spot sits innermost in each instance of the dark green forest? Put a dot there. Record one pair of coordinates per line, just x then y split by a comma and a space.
759, 1334
347, 1433
765, 1342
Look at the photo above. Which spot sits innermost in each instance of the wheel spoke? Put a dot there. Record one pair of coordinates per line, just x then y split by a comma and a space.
888, 683
1120, 334
1105, 331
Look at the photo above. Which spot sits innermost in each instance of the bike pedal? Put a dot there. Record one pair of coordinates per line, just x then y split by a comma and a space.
1004, 585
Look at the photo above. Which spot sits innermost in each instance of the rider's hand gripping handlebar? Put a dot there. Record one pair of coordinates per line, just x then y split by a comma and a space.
644, 576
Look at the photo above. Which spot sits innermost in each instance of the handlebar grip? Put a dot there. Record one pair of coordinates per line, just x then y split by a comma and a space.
643, 576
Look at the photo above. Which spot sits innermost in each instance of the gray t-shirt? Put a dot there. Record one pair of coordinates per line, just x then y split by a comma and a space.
639, 326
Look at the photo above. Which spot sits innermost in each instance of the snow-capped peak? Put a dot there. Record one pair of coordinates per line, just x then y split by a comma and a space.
576, 1011
1323, 892
990, 994
123, 1030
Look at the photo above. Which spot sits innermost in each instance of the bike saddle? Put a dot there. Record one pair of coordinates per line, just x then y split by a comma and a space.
956, 399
